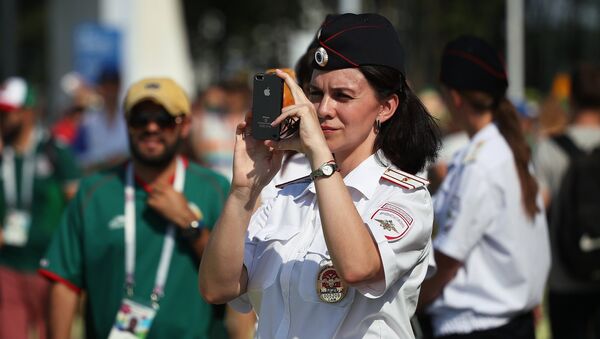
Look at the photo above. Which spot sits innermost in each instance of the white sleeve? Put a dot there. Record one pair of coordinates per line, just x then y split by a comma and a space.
257, 222
473, 211
401, 228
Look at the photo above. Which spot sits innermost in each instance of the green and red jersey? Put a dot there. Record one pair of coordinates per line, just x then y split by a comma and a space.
54, 168
87, 253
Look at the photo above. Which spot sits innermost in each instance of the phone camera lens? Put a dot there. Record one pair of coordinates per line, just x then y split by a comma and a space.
259, 77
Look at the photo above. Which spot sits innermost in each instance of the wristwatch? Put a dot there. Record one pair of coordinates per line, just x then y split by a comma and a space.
326, 170
192, 230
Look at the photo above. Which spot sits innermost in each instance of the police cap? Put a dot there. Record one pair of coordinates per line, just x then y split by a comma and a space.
352, 40
470, 63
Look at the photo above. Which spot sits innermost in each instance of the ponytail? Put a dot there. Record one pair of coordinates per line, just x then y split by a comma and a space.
505, 116
410, 138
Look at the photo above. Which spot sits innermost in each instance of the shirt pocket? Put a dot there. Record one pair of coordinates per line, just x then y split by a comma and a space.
316, 257
269, 255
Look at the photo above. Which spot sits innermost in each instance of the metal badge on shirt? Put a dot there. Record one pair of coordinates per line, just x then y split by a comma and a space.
330, 287
16, 227
133, 321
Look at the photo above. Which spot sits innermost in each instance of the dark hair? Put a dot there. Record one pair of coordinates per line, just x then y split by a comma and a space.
507, 120
304, 68
585, 88
411, 137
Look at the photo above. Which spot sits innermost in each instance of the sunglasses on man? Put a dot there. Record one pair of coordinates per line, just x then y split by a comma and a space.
164, 120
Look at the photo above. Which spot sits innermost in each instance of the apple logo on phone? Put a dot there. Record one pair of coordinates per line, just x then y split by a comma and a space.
267, 92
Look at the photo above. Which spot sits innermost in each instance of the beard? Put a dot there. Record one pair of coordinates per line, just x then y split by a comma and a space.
9, 136
157, 161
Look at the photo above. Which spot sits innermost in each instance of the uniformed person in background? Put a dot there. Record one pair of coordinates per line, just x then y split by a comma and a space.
133, 236
342, 252
38, 176
492, 246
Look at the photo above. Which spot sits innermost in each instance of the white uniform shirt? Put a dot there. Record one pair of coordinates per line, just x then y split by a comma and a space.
483, 224
285, 248
295, 167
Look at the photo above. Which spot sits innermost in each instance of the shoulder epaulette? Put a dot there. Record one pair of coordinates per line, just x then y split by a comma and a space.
403, 179
472, 155
304, 179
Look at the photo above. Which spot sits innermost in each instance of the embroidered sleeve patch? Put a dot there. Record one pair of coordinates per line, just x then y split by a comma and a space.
393, 220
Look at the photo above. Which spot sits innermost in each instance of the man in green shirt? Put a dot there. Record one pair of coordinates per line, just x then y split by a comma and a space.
38, 175
133, 236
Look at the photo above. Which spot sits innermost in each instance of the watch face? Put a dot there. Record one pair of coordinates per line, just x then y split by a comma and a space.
328, 170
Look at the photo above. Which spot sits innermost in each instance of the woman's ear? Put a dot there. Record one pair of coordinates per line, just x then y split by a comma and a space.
452, 98
388, 108
456, 98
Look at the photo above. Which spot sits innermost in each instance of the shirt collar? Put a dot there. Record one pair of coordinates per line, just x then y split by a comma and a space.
364, 178
490, 131
146, 186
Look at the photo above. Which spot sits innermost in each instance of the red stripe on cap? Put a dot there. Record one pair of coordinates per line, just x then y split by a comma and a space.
477, 61
339, 54
57, 278
351, 29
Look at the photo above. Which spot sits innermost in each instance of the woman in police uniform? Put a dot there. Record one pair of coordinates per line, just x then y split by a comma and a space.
342, 252
492, 243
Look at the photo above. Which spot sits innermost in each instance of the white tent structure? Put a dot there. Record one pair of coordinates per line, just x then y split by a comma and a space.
154, 39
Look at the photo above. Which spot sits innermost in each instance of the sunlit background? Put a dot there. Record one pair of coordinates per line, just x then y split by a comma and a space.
202, 42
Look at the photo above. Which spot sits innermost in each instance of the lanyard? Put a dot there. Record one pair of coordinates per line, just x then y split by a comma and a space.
27, 174
168, 243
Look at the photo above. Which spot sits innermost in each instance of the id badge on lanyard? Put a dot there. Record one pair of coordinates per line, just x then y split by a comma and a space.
135, 318
17, 219
16, 227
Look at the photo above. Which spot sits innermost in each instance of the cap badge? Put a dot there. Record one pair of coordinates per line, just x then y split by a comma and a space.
321, 56
330, 287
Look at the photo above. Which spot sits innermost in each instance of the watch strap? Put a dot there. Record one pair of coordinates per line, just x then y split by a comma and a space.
319, 171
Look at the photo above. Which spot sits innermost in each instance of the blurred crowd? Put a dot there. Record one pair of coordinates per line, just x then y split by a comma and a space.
91, 134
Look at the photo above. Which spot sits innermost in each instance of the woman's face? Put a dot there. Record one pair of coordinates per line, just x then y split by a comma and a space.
347, 107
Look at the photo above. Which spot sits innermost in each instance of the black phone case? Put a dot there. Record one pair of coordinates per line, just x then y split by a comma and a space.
267, 100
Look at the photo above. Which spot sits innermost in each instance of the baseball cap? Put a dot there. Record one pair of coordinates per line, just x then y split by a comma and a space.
15, 94
163, 91
353, 40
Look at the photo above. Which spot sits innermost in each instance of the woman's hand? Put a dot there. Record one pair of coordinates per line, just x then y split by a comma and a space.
309, 139
254, 162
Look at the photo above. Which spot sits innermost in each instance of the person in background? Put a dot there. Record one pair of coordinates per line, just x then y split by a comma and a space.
39, 175
343, 252
218, 126
101, 140
574, 305
208, 127
453, 139
83, 98
553, 117
133, 236
492, 247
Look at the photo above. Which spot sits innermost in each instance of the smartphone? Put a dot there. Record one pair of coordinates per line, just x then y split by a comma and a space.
267, 101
